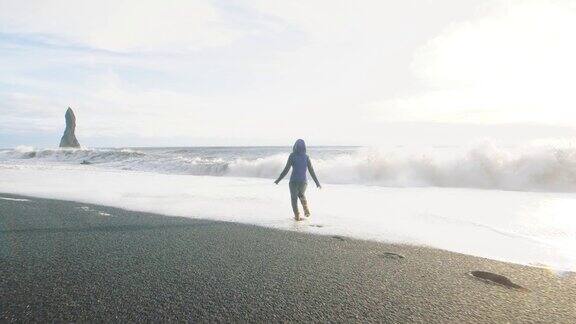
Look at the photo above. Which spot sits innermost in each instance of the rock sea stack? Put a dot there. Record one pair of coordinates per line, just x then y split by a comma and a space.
69, 138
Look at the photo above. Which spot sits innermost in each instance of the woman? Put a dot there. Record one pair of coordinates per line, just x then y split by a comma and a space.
300, 162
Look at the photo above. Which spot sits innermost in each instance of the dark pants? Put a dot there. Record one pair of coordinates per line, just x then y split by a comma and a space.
297, 190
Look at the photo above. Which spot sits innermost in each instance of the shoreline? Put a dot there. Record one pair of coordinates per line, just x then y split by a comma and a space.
74, 261
467, 221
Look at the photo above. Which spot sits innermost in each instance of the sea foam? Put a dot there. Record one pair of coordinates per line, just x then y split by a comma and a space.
533, 228
485, 166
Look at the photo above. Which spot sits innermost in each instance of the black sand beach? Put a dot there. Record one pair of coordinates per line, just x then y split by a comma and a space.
67, 261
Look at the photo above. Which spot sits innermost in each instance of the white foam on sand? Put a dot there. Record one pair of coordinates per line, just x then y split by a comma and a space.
13, 199
522, 227
93, 211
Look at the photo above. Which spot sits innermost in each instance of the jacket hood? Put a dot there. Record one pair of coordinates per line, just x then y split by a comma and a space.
299, 147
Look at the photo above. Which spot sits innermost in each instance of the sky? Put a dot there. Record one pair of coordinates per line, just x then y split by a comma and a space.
263, 72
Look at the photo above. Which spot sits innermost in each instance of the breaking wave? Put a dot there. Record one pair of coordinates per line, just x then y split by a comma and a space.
536, 168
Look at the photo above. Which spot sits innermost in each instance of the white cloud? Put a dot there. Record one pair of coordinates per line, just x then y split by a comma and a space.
105, 105
120, 25
272, 69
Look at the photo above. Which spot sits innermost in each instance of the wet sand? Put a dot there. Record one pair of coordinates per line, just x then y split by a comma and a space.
67, 261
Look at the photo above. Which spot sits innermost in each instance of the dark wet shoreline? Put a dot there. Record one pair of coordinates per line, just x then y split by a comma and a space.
60, 262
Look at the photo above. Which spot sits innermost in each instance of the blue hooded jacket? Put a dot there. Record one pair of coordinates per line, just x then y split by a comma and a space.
300, 163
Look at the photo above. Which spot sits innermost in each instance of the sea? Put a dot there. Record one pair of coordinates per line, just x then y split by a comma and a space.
507, 203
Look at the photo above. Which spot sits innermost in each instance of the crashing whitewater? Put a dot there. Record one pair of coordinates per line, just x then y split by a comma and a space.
509, 204
486, 166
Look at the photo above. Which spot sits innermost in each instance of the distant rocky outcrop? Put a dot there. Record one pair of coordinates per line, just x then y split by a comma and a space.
69, 138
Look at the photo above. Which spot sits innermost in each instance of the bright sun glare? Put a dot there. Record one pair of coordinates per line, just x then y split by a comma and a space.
515, 64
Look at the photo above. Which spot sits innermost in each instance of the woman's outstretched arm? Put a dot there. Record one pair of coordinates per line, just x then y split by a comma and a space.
286, 169
313, 174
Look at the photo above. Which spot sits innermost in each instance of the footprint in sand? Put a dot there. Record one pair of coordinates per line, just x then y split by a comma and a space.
390, 255
338, 237
496, 279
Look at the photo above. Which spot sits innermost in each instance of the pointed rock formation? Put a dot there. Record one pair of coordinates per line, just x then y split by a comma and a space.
69, 138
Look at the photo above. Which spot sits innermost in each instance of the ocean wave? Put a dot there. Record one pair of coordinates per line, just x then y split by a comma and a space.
70, 154
485, 166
